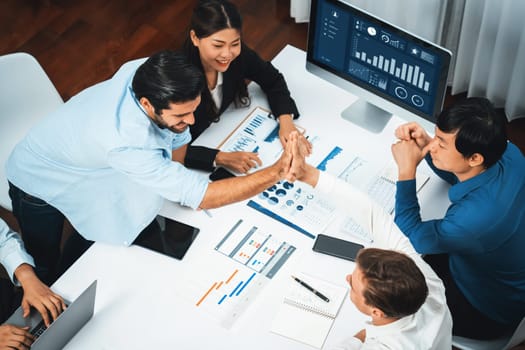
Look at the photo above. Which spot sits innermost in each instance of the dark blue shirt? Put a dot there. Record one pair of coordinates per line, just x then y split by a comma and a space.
483, 232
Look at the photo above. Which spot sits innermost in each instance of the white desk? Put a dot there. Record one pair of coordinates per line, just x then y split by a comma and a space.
138, 305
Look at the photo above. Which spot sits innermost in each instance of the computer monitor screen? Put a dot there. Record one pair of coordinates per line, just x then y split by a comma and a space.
391, 70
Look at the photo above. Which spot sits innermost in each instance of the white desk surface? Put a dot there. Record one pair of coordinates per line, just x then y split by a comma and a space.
137, 305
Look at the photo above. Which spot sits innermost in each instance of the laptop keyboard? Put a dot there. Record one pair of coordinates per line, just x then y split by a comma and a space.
39, 329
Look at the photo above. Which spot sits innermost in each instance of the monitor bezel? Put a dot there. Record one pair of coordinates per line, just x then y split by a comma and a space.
363, 90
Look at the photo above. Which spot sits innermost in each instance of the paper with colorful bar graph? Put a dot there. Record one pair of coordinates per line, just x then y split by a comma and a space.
221, 288
258, 131
256, 248
295, 205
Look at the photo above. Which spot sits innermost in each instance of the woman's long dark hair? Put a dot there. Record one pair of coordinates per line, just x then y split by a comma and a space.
211, 16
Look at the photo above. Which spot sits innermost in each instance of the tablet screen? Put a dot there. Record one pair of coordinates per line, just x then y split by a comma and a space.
169, 237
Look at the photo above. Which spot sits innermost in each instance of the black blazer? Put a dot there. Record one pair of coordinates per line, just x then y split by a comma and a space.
249, 66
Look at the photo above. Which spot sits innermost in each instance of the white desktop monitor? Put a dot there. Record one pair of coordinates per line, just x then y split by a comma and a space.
391, 70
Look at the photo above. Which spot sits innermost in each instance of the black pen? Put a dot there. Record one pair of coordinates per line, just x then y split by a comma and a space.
311, 289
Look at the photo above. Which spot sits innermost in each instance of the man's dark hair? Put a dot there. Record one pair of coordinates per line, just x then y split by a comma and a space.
480, 129
167, 77
393, 282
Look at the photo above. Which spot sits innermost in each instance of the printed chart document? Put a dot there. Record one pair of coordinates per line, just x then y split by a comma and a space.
294, 204
305, 317
259, 130
220, 288
256, 248
297, 205
380, 181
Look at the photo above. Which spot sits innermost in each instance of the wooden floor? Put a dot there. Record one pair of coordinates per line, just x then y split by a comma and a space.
82, 42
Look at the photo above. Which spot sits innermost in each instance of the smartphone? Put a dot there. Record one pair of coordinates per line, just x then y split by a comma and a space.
220, 173
336, 247
168, 237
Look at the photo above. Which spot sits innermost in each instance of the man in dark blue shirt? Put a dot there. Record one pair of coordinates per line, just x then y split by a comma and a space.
477, 248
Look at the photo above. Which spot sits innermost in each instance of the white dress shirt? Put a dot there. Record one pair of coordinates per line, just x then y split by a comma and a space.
431, 326
216, 92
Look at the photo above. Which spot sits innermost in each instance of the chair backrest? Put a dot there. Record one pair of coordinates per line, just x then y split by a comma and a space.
518, 337
26, 95
503, 343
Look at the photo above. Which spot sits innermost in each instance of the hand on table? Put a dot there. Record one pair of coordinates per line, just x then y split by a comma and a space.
38, 295
240, 162
12, 337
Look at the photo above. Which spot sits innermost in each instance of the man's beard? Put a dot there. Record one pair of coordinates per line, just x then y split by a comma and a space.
162, 125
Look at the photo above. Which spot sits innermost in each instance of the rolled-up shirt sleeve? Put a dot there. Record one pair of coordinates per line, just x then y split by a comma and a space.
12, 251
153, 168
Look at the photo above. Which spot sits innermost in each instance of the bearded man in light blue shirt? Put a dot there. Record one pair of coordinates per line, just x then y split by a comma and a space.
107, 158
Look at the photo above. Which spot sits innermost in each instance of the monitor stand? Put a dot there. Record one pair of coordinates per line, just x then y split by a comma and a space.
367, 116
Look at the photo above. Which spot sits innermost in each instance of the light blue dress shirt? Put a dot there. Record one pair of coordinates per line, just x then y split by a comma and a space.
12, 252
101, 161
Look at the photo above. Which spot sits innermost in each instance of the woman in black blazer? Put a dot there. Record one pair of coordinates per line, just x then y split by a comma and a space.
215, 45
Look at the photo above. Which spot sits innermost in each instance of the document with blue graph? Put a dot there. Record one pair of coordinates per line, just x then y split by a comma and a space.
220, 288
297, 204
294, 204
258, 128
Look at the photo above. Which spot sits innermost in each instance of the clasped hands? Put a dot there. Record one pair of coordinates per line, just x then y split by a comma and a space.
412, 146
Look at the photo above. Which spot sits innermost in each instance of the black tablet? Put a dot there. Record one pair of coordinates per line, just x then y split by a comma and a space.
167, 236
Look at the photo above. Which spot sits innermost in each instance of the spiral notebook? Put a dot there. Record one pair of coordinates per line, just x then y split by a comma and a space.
382, 188
305, 317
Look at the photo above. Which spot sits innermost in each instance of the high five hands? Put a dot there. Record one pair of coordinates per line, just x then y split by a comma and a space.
243, 162
286, 127
296, 150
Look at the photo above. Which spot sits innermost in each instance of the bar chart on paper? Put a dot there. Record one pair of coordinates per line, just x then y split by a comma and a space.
255, 248
221, 289
258, 130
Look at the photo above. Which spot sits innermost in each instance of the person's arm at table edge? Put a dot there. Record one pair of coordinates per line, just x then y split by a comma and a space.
235, 189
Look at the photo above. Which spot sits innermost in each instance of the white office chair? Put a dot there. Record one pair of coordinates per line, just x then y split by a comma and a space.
26, 94
503, 343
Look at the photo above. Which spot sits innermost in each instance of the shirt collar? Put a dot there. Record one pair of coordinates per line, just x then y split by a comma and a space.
459, 190
373, 331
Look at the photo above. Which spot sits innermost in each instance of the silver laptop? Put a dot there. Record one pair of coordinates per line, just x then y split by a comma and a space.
61, 330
